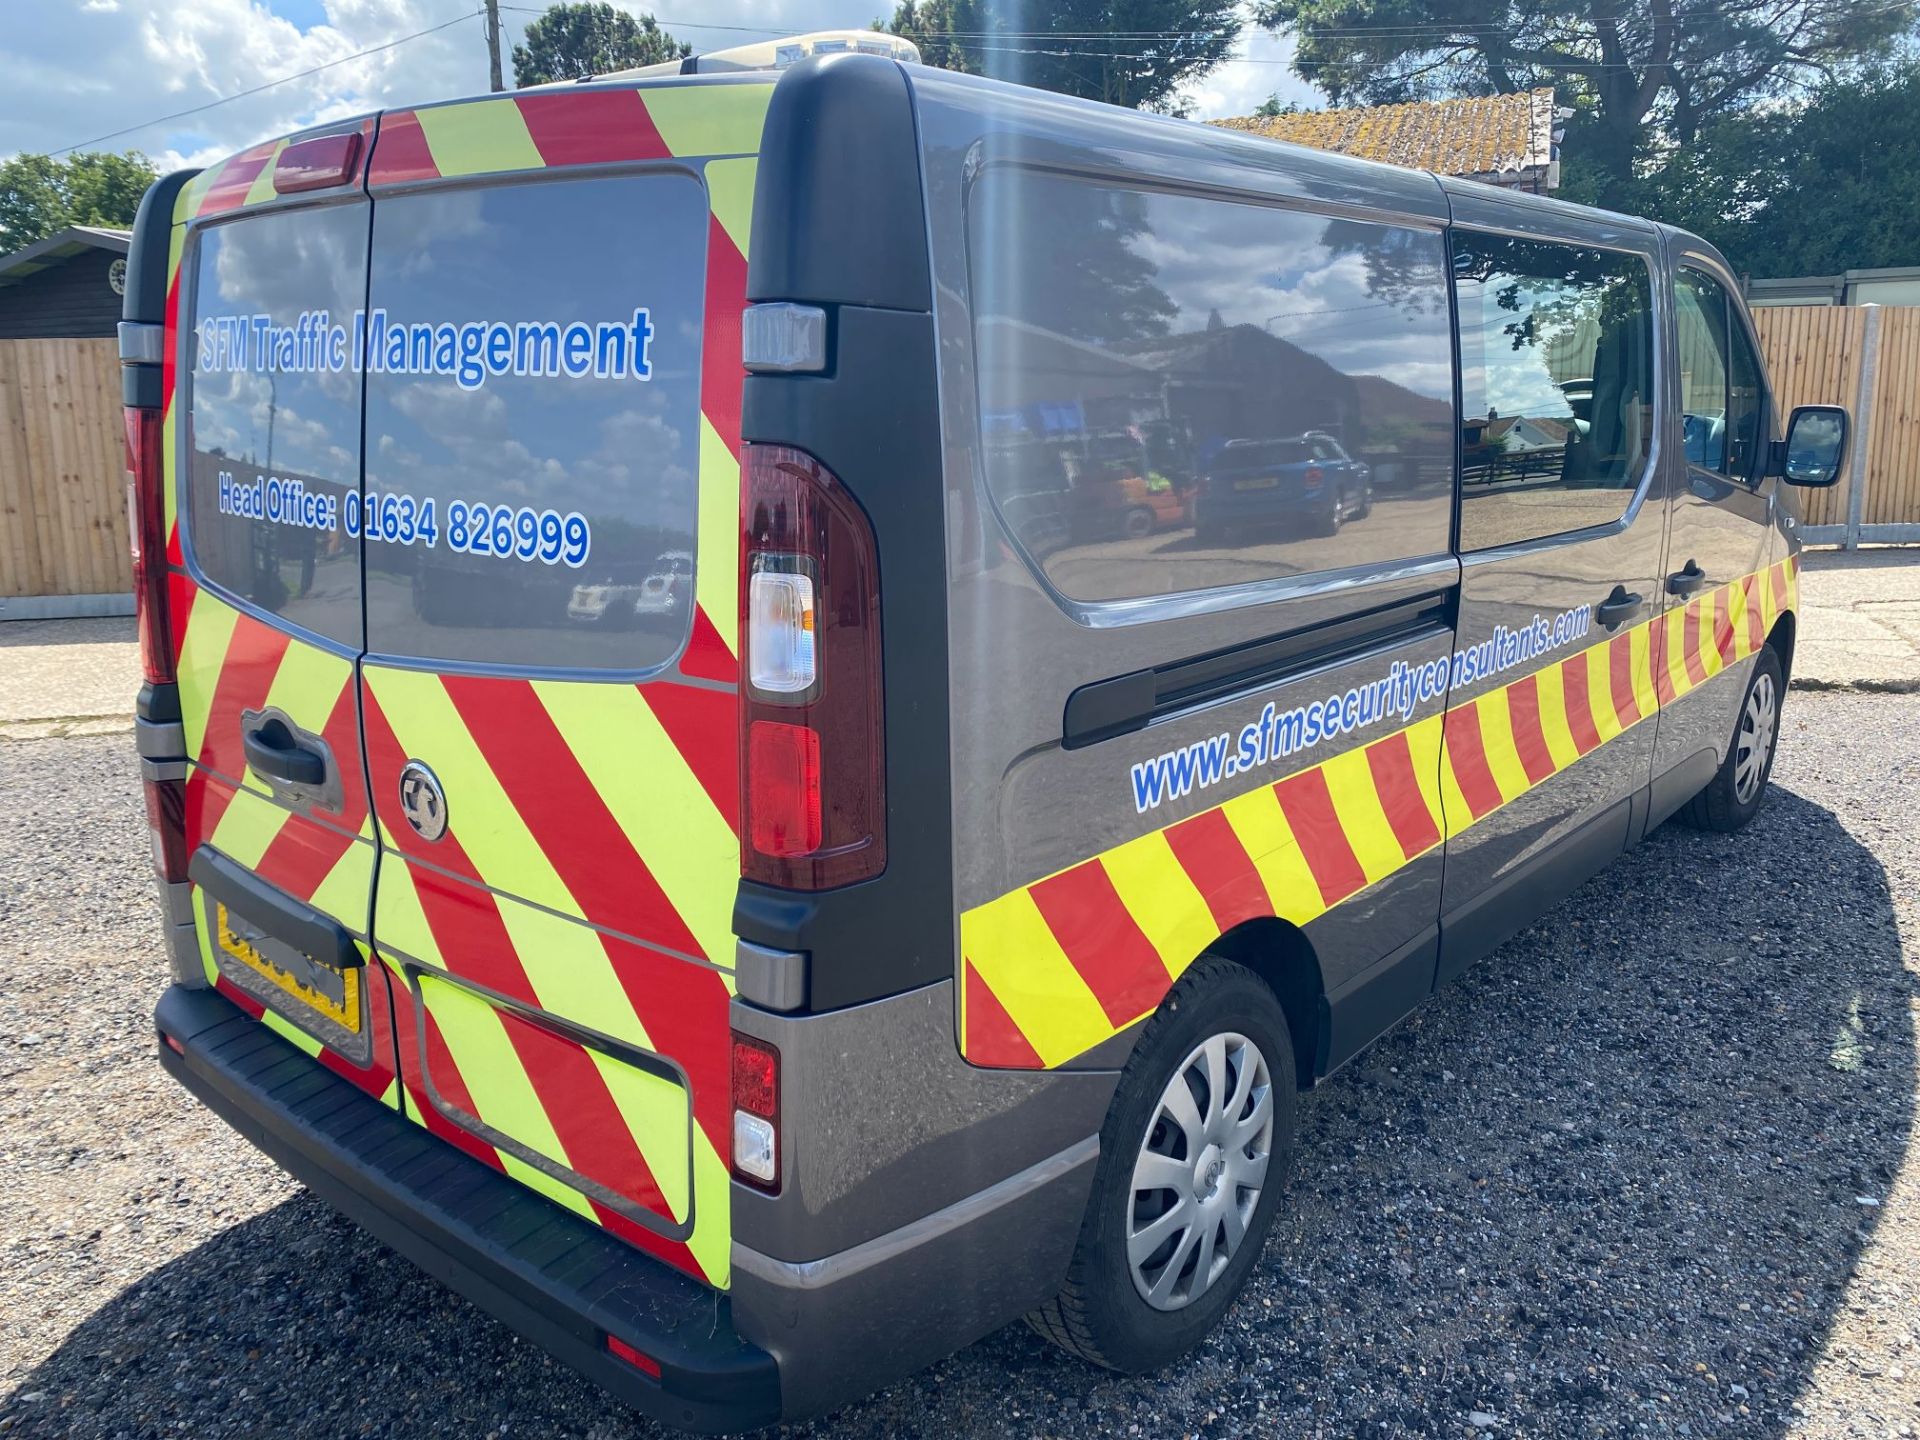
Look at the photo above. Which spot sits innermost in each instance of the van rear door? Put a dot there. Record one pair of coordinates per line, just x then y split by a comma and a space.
263, 477
549, 693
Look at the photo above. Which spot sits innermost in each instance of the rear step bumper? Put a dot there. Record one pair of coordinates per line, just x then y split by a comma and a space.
561, 1282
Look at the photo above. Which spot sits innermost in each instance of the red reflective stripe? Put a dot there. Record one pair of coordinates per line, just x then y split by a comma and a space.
564, 813
684, 1010
1756, 626
1778, 575
236, 177
992, 1038
1523, 714
1217, 863
448, 1082
1573, 680
1690, 645
1626, 705
1102, 941
252, 660
591, 127
1391, 761
702, 724
303, 853
1308, 807
400, 151
1723, 625
1467, 757
721, 370
706, 656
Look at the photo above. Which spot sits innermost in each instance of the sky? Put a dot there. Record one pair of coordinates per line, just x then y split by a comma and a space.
80, 70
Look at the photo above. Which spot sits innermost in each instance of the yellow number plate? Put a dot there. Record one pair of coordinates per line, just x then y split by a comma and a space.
345, 1013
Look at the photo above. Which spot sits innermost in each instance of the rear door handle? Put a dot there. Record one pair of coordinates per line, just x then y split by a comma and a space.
1685, 582
1618, 608
272, 751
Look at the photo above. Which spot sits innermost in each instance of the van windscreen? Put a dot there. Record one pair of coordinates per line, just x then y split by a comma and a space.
533, 413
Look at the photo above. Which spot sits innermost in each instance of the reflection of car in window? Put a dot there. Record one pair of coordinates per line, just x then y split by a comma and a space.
1306, 479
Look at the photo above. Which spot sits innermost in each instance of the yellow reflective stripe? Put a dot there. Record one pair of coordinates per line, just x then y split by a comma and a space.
1155, 889
708, 119
477, 1039
1497, 743
478, 137
658, 1114
711, 1243
203, 654
1639, 642
716, 570
1015, 953
1709, 629
1260, 826
306, 686
247, 827
187, 203
1423, 746
262, 188
203, 931
1356, 801
1673, 650
573, 976
347, 890
730, 194
1606, 719
1553, 716
656, 799
399, 922
491, 831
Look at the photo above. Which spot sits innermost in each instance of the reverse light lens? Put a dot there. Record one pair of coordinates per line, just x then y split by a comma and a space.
756, 1111
753, 1147
780, 645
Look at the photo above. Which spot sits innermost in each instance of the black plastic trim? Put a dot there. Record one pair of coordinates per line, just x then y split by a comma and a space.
159, 704
1126, 703
874, 422
563, 1283
273, 910
145, 300
1374, 1002
837, 215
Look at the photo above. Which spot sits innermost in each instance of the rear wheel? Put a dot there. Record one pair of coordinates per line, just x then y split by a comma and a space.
1139, 523
1327, 523
1192, 1157
1733, 796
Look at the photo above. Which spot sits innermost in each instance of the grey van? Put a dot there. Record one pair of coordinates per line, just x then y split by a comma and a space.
784, 713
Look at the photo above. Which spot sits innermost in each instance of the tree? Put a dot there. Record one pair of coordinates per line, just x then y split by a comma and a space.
576, 41
1630, 67
40, 194
1136, 53
1810, 189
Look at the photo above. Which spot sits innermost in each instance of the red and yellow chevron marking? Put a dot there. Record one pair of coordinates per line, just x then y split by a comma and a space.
1058, 966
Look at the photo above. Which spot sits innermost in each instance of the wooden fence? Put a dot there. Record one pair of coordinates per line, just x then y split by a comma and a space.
63, 514
1866, 358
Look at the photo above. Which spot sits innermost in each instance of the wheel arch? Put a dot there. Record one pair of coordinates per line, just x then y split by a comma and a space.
1780, 641
1282, 956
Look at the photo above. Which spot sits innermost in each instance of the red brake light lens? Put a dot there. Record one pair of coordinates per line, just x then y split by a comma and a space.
317, 164
147, 541
756, 1077
756, 1112
167, 820
813, 752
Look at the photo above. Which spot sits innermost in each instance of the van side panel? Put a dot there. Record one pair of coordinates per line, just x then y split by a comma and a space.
561, 960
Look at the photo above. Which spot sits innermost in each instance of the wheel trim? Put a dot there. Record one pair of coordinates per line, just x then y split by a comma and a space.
1199, 1172
1753, 744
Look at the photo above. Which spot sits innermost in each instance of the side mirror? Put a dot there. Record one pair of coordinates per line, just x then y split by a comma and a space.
1815, 450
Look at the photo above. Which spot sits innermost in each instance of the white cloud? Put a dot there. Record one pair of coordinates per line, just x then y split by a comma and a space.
1262, 66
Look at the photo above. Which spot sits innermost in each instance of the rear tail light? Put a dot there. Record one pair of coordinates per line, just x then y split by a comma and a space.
1314, 477
167, 820
756, 1112
813, 794
147, 540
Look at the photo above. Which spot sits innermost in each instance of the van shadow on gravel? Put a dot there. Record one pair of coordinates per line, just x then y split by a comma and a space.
1613, 1181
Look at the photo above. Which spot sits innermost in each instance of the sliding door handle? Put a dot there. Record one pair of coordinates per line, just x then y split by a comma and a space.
1618, 608
1687, 581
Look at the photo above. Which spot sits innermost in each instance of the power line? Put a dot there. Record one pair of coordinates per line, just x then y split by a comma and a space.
257, 89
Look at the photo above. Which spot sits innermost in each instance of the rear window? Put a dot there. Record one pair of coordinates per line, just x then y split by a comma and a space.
1179, 393
533, 413
273, 448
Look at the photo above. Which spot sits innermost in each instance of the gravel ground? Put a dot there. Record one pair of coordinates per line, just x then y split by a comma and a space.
1646, 1171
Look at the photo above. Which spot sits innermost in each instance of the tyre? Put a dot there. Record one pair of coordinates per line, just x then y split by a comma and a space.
1139, 523
1733, 796
1326, 524
1193, 1154
1366, 504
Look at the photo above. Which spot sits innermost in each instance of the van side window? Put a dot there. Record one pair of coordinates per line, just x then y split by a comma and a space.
533, 422
1720, 395
1179, 393
1556, 385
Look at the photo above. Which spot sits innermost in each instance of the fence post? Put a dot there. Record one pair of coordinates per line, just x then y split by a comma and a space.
1862, 425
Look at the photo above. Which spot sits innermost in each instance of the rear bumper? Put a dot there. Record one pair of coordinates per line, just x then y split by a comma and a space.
561, 1282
